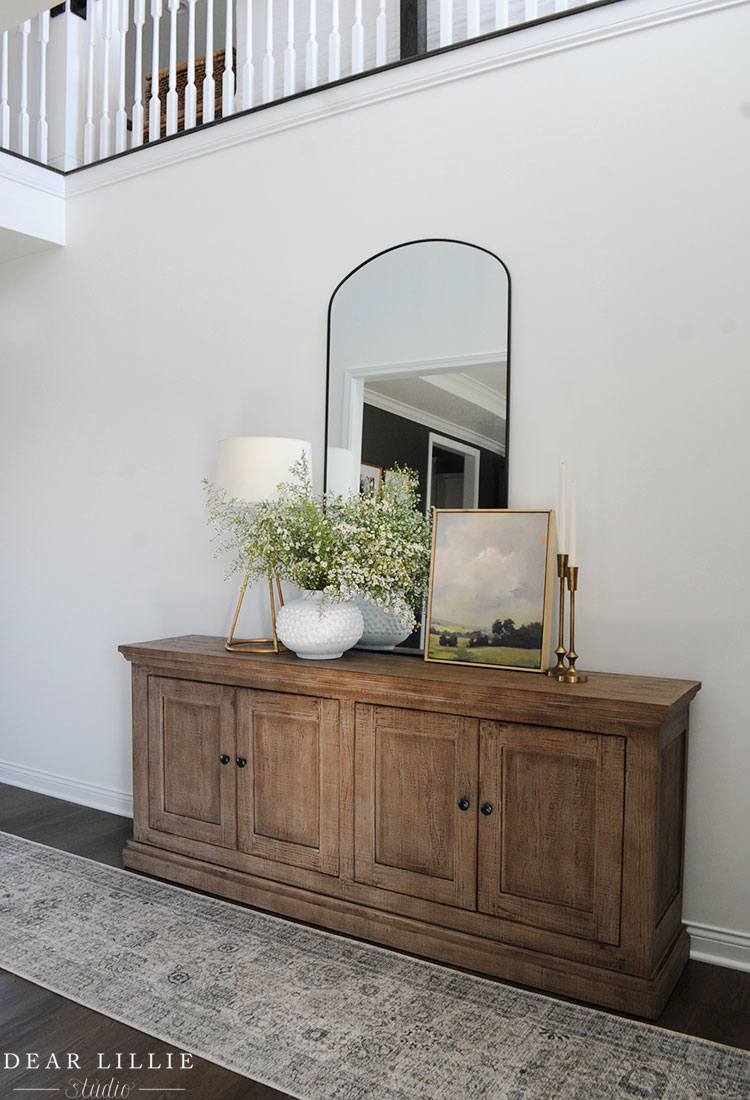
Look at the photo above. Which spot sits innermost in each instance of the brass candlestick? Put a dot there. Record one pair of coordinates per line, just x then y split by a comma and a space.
571, 674
561, 651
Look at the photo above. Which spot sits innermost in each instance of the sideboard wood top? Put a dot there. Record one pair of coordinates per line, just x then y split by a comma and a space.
639, 698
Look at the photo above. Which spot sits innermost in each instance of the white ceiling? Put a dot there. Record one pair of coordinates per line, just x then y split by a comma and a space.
13, 12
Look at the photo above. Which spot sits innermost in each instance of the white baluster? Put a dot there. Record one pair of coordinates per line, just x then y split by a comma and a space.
227, 77
23, 114
248, 72
532, 10
561, 5
4, 105
334, 45
502, 14
209, 85
290, 57
121, 117
358, 39
268, 60
311, 51
191, 92
89, 130
154, 103
381, 35
472, 19
105, 123
139, 18
446, 22
41, 131
171, 103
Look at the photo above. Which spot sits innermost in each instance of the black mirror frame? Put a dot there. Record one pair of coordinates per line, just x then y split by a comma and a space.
393, 248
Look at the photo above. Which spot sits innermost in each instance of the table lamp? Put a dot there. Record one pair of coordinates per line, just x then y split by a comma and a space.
250, 469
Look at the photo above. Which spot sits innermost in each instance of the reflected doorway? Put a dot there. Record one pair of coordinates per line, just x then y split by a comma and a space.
452, 473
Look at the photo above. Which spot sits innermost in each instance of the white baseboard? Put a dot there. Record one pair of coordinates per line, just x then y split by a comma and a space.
720, 946
71, 790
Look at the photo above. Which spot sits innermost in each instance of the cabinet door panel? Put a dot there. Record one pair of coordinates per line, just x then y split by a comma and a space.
550, 854
191, 793
411, 770
288, 795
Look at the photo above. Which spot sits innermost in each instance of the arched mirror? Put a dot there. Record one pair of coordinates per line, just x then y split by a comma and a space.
418, 373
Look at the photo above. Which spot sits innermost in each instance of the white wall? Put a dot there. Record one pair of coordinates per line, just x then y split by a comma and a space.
14, 11
190, 304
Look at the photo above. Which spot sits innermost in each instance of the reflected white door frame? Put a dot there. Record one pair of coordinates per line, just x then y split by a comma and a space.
471, 456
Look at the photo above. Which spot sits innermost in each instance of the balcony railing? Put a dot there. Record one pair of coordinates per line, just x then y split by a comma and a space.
88, 80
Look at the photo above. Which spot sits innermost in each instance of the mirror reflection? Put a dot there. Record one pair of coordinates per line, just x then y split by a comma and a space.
418, 374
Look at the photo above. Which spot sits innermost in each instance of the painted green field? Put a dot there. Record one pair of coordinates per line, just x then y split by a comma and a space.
505, 656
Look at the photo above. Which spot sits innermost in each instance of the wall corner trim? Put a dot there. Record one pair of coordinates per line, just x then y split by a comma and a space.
720, 946
38, 177
70, 790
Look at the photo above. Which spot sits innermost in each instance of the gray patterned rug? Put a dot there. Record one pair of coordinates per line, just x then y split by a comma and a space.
317, 1015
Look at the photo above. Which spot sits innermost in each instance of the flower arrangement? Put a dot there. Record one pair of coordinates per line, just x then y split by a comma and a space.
377, 544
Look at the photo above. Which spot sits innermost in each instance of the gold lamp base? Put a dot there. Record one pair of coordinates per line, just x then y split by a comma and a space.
257, 645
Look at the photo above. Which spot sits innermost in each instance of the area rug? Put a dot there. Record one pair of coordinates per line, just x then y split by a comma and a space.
317, 1015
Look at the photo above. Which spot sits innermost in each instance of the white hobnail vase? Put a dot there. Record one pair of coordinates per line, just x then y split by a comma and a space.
383, 627
318, 628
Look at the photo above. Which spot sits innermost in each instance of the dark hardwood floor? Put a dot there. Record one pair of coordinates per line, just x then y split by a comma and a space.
709, 1001
33, 1019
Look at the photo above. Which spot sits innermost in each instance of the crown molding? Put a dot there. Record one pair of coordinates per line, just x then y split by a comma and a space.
573, 30
415, 368
436, 423
21, 170
468, 389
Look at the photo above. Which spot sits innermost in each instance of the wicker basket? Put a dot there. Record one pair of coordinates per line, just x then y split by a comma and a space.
181, 82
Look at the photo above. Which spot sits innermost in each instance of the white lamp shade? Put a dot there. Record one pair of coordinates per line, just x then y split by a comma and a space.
251, 466
342, 472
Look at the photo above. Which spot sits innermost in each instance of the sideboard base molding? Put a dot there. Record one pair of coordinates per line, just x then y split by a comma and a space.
627, 993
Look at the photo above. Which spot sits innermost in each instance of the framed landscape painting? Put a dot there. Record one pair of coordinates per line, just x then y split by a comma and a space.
491, 585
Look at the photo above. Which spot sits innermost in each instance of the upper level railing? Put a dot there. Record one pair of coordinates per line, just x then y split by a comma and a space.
92, 78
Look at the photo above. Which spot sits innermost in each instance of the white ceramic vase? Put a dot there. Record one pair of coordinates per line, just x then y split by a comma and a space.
317, 628
383, 628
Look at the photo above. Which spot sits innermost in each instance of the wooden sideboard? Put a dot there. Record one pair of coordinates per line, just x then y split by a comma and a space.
494, 820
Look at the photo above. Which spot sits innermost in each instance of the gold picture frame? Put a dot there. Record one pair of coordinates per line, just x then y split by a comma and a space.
491, 588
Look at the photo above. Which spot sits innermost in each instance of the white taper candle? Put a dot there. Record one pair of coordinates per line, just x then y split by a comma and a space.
572, 545
562, 512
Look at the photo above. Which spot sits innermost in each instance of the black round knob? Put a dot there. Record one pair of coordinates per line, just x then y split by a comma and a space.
241, 761
487, 808
463, 803
225, 758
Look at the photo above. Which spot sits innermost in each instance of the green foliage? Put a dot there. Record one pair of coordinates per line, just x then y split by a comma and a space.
506, 633
460, 649
374, 543
505, 636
